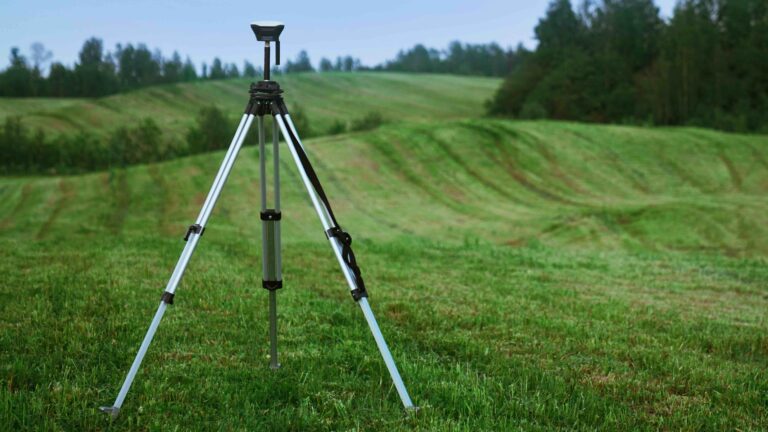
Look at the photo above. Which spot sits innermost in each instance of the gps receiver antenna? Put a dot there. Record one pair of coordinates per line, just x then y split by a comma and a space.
268, 31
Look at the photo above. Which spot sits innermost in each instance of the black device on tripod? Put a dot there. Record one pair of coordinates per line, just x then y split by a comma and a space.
266, 98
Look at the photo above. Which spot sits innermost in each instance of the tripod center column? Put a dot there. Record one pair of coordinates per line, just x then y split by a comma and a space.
270, 217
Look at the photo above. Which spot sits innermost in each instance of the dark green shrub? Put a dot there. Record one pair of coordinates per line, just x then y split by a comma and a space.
26, 152
13, 140
337, 127
370, 121
139, 144
213, 131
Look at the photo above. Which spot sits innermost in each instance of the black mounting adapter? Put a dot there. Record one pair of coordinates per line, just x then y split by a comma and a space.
268, 31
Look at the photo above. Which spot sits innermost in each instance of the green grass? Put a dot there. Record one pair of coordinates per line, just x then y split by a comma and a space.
324, 97
527, 275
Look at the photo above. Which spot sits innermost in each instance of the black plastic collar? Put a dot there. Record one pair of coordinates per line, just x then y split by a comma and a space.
271, 285
167, 297
271, 215
196, 229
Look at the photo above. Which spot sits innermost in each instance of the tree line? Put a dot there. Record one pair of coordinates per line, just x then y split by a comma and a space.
462, 59
619, 61
99, 72
458, 58
304, 64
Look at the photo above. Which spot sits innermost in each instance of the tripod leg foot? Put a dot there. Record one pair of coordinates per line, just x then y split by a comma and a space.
113, 411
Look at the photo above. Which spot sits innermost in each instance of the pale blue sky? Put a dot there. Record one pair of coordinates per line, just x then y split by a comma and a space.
202, 29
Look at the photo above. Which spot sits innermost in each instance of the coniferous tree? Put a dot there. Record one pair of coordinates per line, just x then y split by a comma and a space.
16, 81
61, 81
217, 70
125, 66
248, 70
325, 65
351, 64
231, 71
301, 64
94, 72
173, 69
147, 70
188, 72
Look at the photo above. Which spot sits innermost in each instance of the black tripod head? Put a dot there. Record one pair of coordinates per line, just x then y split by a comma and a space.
268, 31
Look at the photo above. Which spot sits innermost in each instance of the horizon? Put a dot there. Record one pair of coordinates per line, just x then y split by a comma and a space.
372, 33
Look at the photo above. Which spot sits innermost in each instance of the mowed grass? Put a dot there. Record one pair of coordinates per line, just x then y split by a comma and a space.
324, 98
527, 275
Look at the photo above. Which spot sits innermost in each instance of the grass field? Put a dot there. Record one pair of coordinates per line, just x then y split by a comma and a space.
527, 275
323, 97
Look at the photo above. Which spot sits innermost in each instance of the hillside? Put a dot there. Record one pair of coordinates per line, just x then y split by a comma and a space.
527, 275
324, 97
503, 182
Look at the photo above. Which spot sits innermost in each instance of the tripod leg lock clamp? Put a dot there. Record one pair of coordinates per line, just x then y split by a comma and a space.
167, 297
358, 293
271, 285
349, 258
271, 215
194, 228
344, 238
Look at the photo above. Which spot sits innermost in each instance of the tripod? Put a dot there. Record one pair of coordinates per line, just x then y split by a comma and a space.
265, 99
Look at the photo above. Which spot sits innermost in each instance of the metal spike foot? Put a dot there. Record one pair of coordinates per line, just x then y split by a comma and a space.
112, 410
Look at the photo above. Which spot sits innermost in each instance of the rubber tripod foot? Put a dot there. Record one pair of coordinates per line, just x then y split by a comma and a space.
112, 410
412, 411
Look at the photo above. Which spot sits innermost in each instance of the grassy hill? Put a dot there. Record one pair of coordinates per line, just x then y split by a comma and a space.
324, 97
511, 183
528, 275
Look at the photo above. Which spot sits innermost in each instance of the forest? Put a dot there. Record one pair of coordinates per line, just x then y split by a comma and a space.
608, 61
618, 61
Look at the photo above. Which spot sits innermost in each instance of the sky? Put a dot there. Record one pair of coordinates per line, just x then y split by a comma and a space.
373, 31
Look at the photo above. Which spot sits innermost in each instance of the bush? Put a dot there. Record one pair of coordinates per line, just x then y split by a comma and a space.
213, 131
28, 152
13, 138
337, 127
370, 121
533, 110
142, 143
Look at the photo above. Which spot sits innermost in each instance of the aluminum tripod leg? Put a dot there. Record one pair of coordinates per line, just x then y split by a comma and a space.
273, 362
279, 257
193, 235
285, 122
